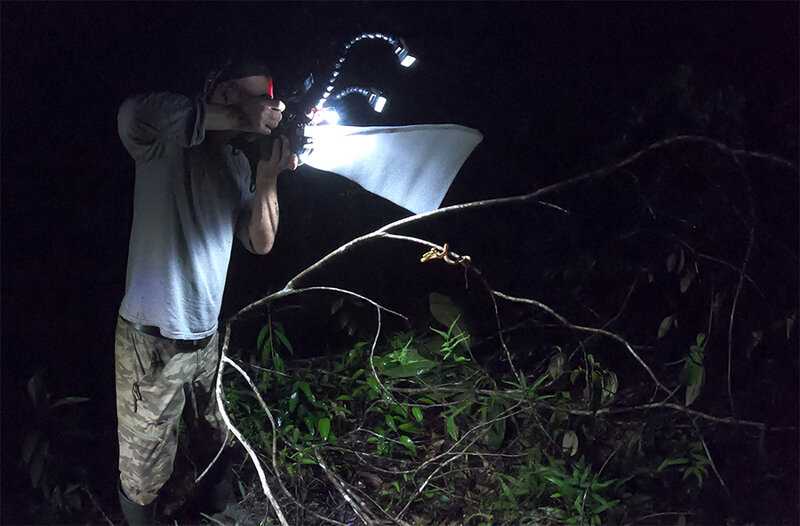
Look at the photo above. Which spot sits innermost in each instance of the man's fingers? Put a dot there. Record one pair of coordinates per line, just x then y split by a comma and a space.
276, 105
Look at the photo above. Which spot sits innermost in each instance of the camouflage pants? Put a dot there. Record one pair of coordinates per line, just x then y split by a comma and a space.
155, 377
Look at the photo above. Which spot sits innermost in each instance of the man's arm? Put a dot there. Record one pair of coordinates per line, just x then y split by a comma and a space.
253, 114
264, 218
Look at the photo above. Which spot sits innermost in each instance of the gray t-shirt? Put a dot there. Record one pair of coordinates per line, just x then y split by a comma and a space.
189, 202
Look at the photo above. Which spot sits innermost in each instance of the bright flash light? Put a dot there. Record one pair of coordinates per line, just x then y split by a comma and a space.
332, 117
325, 116
376, 100
408, 61
379, 103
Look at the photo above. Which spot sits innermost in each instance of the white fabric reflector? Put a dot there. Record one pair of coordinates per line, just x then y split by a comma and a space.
412, 166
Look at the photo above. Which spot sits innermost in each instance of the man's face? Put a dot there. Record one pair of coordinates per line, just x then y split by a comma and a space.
234, 92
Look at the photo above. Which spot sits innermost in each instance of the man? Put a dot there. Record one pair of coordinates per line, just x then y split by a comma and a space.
192, 197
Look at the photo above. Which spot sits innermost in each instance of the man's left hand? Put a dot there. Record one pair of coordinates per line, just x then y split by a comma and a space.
276, 155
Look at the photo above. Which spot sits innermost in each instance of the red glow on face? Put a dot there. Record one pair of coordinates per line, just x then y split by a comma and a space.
269, 88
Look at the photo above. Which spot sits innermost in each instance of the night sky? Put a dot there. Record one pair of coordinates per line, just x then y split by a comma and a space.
550, 85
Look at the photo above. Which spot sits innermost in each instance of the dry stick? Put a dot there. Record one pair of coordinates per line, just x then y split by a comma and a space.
567, 324
434, 472
662, 405
225, 359
733, 313
350, 499
96, 505
594, 479
721, 262
599, 173
710, 458
218, 392
482, 427
275, 468
216, 457
661, 514
508, 413
383, 232
511, 395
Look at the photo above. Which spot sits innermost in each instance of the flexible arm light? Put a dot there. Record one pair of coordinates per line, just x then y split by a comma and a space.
400, 49
374, 97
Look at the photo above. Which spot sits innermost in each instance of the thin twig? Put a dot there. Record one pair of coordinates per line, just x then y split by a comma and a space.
250, 451
536, 195
733, 313
357, 507
570, 325
710, 458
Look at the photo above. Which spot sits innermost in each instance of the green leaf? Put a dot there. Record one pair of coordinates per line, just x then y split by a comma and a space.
693, 471
671, 261
35, 389
406, 441
324, 427
284, 341
309, 421
417, 412
693, 374
73, 499
508, 494
452, 429
263, 337
414, 364
443, 309
686, 280
446, 312
294, 398
666, 324
569, 443
29, 446
556, 367
373, 382
604, 507
610, 384
701, 339
389, 419
671, 462
601, 485
307, 390
408, 428
278, 362
37, 462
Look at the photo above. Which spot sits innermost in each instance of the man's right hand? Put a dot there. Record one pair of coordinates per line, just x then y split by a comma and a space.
259, 114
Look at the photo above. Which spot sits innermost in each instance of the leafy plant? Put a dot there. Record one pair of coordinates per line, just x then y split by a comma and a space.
49, 472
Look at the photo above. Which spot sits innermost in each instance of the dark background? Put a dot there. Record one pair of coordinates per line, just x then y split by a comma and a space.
554, 88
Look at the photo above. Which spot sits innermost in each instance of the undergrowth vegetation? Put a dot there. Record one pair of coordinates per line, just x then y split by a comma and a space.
649, 377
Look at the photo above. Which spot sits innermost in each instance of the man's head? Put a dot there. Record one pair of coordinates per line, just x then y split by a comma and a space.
237, 78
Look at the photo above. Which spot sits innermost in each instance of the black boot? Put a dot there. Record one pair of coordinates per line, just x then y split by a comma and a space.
136, 514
